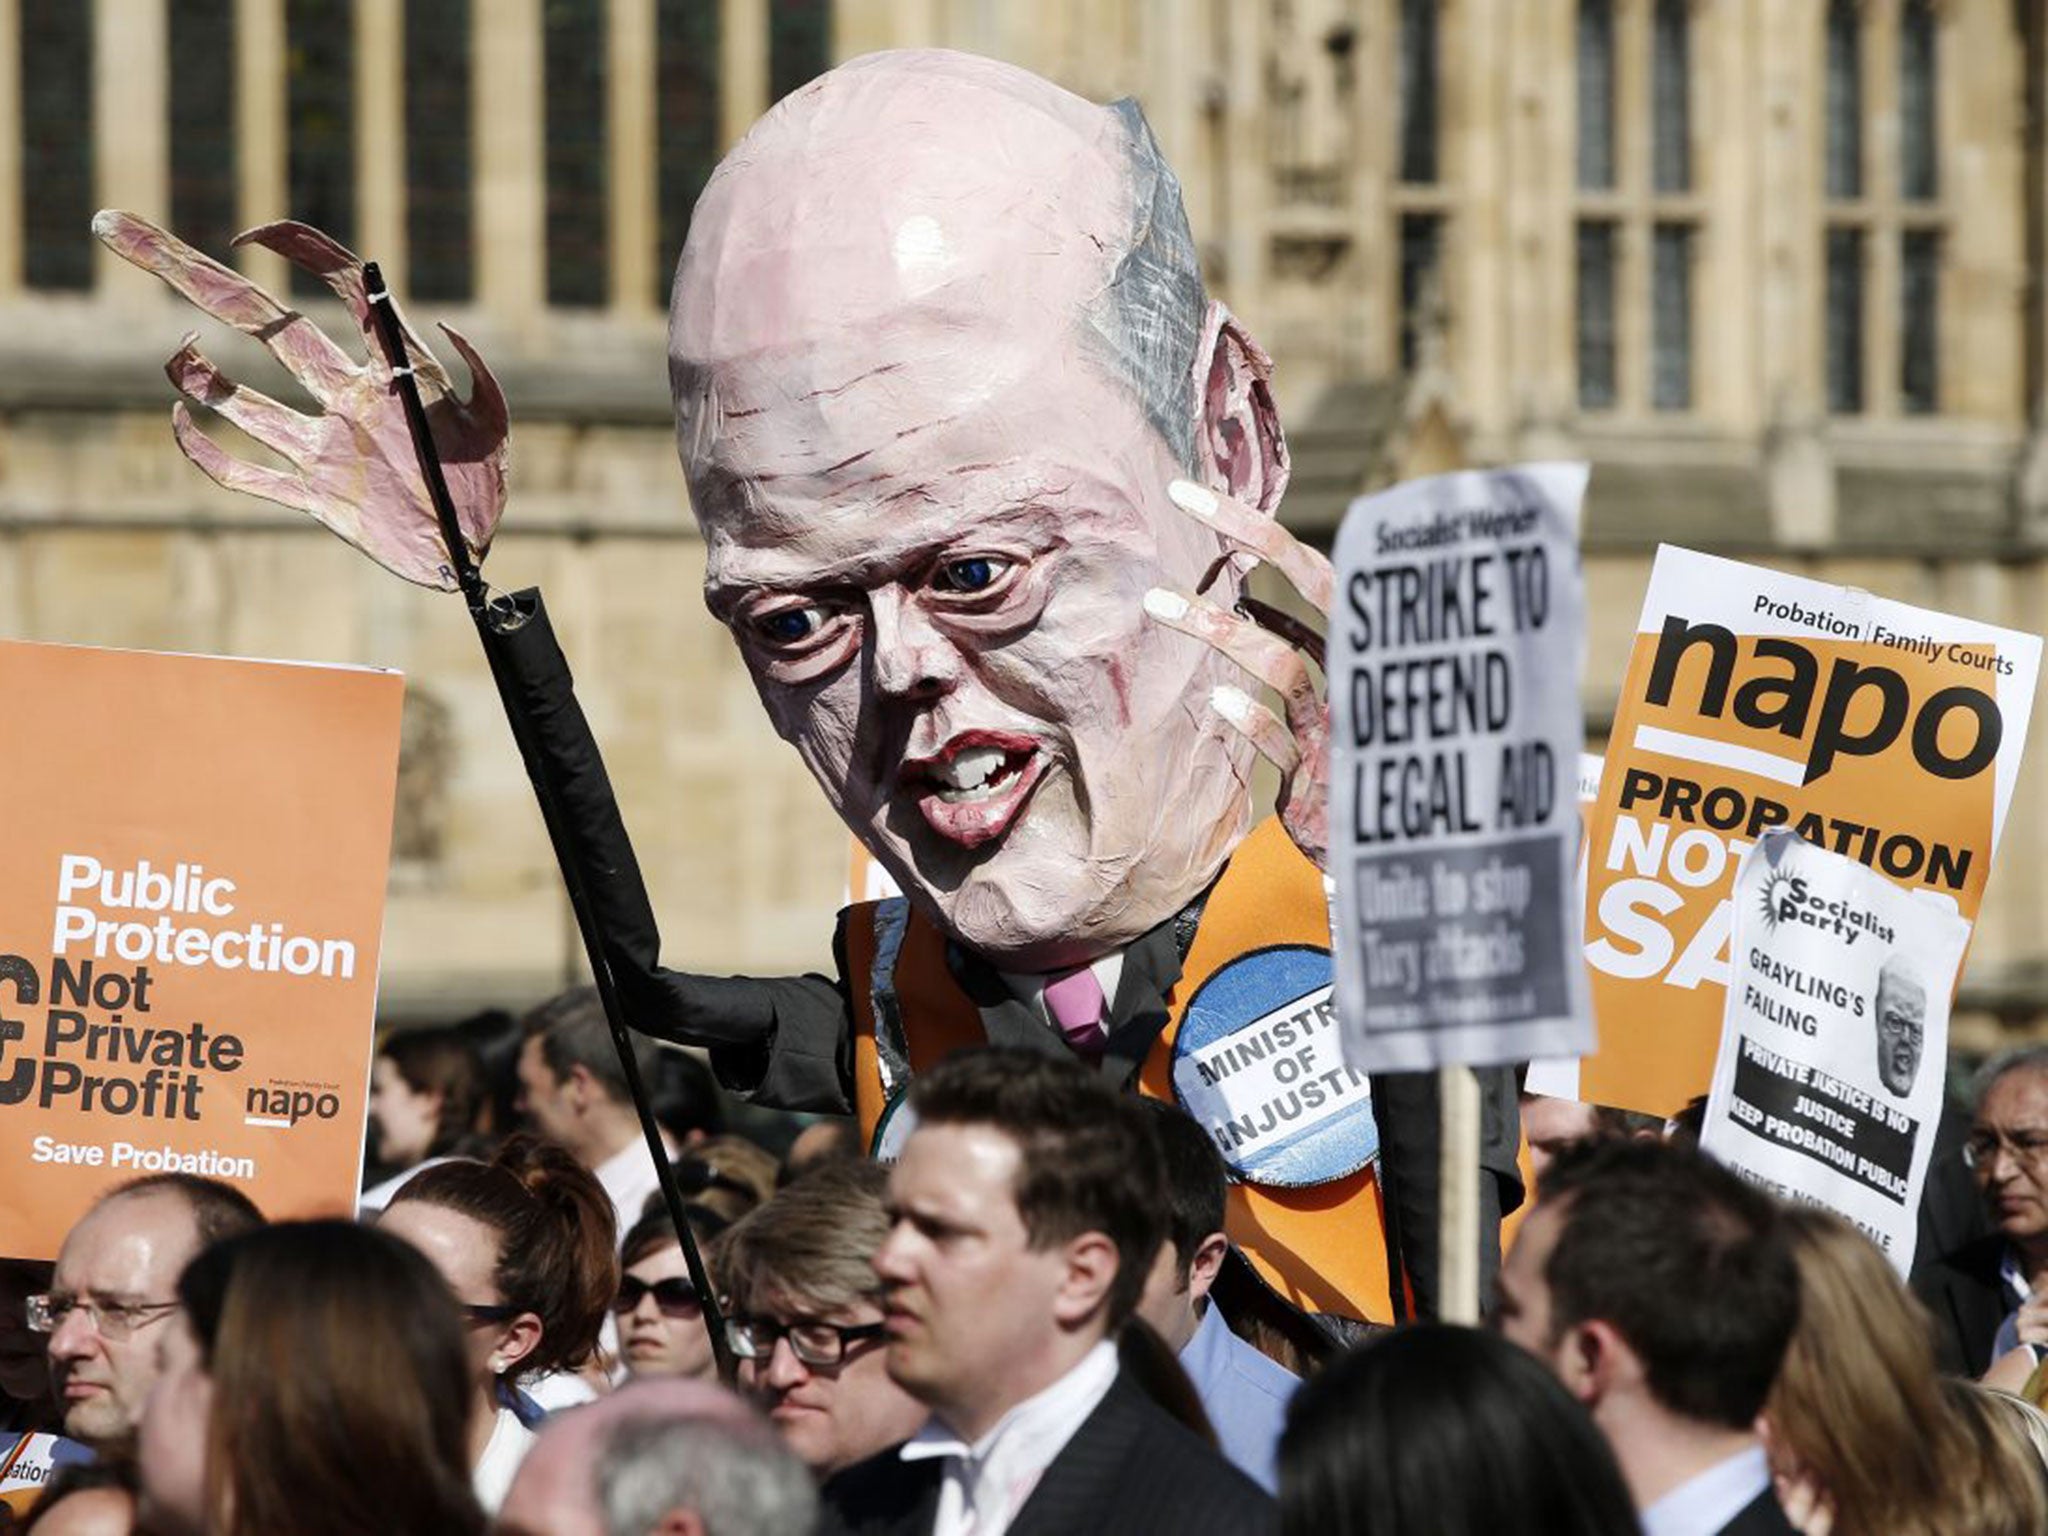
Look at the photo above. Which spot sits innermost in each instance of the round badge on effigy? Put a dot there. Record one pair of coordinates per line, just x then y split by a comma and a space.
1257, 1064
893, 1129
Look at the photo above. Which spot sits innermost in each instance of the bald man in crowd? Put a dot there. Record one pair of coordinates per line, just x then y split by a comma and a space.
115, 1284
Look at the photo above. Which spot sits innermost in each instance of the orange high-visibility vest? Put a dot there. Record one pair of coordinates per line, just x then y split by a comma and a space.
1321, 1245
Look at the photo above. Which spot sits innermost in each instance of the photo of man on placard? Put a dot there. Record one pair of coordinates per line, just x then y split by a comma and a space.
1900, 1011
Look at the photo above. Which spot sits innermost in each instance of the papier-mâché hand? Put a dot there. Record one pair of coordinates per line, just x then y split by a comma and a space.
1275, 649
353, 466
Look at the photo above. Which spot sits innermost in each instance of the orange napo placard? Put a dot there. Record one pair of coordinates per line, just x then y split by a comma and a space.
191, 900
1753, 699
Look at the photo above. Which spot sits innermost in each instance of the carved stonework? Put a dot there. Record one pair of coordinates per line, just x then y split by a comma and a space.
1310, 84
426, 765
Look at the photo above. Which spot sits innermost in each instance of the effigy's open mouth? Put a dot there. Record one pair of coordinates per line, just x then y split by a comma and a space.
972, 789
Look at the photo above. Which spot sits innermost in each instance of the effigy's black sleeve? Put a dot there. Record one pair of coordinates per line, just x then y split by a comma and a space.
782, 1041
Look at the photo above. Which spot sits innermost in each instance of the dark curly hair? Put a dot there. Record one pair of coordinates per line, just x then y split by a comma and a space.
1689, 1264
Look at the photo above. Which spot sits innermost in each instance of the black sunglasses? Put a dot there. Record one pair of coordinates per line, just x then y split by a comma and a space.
694, 1175
675, 1297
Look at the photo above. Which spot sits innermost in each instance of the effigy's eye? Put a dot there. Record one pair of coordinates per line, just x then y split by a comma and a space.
789, 626
974, 573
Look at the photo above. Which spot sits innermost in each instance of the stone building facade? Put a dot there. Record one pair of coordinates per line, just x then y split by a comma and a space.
1774, 266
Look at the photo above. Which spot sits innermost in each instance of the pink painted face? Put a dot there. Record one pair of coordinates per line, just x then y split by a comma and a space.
933, 506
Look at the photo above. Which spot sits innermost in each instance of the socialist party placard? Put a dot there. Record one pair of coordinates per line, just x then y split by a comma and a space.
1885, 733
1828, 1082
1455, 650
191, 902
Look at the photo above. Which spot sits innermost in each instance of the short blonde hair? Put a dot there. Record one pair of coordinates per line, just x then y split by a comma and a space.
812, 1244
1996, 1484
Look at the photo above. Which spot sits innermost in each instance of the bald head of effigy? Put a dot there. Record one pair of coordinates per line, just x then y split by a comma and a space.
939, 342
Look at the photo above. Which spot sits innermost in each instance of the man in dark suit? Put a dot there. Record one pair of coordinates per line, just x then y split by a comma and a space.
1025, 1213
1663, 1292
1994, 1270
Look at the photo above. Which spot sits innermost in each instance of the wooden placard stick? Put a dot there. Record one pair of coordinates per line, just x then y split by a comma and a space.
1458, 1196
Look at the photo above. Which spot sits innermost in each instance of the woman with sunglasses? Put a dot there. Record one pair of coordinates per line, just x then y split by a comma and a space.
660, 1321
804, 1317
526, 1242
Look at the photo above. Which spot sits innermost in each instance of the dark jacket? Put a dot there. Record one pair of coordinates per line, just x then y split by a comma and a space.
1761, 1516
1968, 1299
1129, 1470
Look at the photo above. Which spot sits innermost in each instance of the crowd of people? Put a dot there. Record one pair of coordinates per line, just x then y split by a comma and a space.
981, 471
1013, 1327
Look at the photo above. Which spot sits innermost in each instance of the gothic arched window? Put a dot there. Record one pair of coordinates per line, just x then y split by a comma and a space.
205, 208
1844, 100
1919, 180
320, 122
573, 42
56, 143
439, 235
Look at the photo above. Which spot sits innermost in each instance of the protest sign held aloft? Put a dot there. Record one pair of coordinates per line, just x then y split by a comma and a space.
27, 1463
189, 929
1455, 655
1885, 733
1829, 1079
1557, 1077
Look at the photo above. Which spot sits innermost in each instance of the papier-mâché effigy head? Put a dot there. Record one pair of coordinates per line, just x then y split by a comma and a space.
939, 343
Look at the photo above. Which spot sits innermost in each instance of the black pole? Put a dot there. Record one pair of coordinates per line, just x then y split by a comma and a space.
477, 595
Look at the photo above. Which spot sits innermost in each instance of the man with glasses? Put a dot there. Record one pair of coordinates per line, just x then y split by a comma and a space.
805, 1317
1988, 1294
114, 1285
1901, 1017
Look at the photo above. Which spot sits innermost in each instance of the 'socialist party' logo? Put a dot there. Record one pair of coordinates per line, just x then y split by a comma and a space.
1788, 897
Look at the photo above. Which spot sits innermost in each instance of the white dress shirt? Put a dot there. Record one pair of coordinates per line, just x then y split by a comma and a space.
1705, 1503
492, 1476
986, 1483
629, 1177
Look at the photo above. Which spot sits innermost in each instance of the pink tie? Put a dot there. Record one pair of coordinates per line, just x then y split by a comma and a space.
1074, 999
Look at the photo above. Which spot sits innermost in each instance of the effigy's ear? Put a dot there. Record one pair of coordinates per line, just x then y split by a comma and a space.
1238, 444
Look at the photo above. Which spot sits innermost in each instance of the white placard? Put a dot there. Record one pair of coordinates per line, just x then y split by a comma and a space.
1456, 647
1834, 1041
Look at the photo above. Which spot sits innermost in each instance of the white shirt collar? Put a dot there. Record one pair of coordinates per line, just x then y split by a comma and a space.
503, 1452
1706, 1502
986, 1483
2013, 1277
